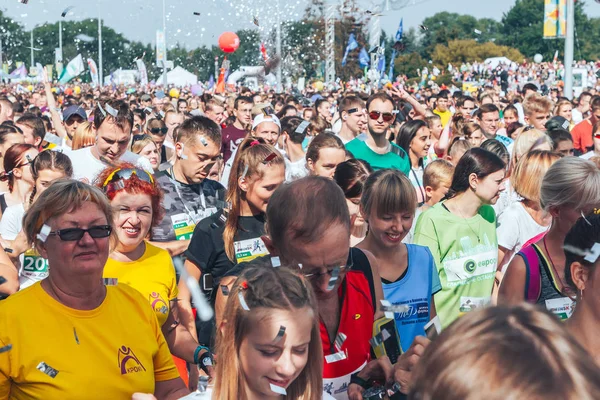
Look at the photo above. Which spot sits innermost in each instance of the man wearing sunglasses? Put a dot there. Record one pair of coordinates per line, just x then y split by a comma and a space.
354, 118
374, 147
188, 195
113, 122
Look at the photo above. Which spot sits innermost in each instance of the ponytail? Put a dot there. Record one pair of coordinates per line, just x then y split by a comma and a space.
251, 154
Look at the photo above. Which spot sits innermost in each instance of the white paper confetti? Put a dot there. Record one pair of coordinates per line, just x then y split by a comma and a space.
203, 309
50, 138
339, 356
275, 262
278, 389
46, 369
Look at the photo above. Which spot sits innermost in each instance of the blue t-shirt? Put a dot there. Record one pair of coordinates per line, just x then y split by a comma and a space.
415, 289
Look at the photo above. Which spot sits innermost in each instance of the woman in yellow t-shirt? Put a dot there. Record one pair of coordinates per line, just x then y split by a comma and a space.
136, 201
71, 336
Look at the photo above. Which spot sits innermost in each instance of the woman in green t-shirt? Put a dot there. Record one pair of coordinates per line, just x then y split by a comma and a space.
461, 234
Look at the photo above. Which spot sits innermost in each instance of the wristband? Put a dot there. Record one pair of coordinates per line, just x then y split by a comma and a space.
354, 378
197, 352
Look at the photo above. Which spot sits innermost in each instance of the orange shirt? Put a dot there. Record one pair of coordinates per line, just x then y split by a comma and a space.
582, 136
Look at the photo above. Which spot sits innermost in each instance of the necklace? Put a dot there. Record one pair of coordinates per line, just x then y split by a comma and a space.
560, 281
468, 224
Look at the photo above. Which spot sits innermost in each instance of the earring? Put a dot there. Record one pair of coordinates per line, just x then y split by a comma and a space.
581, 293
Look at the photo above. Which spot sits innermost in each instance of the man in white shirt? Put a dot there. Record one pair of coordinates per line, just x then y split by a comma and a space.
113, 122
583, 106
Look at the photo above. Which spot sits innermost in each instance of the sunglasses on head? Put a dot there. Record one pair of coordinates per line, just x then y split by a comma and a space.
75, 234
387, 117
126, 174
156, 131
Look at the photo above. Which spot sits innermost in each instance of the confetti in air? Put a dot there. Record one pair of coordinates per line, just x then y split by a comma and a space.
204, 310
66, 11
5, 348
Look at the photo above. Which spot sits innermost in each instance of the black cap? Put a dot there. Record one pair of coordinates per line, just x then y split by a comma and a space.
557, 122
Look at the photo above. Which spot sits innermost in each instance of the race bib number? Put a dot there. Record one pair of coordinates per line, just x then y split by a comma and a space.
246, 250
338, 387
562, 307
35, 267
183, 226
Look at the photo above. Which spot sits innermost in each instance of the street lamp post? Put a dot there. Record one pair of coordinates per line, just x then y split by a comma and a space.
165, 80
100, 73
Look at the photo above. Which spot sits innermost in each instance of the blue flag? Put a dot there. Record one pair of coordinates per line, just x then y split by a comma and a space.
211, 82
363, 58
352, 44
399, 31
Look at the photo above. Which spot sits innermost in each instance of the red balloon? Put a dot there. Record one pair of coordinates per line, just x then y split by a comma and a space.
229, 42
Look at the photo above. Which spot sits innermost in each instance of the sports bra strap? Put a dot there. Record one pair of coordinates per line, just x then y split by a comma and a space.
533, 284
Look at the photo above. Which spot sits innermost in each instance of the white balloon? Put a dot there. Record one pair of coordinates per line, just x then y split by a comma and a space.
538, 58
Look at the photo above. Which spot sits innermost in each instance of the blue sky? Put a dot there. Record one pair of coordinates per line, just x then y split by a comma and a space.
139, 19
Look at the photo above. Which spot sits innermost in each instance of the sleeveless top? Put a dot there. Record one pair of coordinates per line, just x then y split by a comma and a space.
551, 297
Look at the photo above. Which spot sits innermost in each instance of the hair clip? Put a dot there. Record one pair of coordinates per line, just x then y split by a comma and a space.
244, 285
302, 127
44, 232
243, 301
254, 143
111, 110
101, 109
596, 211
269, 158
590, 255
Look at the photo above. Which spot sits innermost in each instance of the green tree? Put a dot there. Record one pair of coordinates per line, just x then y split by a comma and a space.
522, 28
461, 51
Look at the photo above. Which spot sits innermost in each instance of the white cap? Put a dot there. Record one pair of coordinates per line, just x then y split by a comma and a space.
260, 118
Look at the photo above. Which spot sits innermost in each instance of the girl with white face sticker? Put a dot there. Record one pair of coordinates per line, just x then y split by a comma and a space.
269, 339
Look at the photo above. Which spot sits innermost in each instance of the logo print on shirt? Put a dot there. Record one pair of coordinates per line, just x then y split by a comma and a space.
356, 316
128, 362
158, 304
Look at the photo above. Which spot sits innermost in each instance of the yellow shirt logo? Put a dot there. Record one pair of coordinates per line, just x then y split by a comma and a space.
128, 361
158, 304
356, 316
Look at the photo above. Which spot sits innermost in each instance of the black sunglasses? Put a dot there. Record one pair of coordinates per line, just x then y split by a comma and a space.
156, 131
75, 234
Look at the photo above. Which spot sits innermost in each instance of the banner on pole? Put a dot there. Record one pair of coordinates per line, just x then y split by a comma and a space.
161, 51
93, 71
143, 72
555, 19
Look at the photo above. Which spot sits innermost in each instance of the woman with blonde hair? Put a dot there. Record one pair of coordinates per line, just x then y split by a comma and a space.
269, 343
232, 236
564, 108
532, 355
528, 139
570, 187
84, 136
525, 218
146, 147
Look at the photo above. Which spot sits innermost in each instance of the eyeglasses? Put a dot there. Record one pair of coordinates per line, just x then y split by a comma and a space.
126, 174
317, 275
156, 131
387, 117
75, 234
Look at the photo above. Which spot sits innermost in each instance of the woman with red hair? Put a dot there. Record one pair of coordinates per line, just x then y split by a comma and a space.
136, 200
17, 174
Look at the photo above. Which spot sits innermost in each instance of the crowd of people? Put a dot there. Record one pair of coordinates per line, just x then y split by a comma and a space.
419, 244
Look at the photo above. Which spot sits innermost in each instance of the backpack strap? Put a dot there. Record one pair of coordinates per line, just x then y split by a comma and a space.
533, 284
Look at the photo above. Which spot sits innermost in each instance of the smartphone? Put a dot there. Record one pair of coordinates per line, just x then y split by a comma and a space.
390, 345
